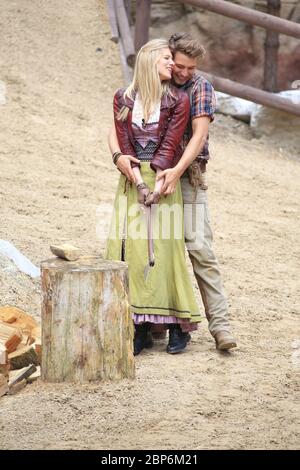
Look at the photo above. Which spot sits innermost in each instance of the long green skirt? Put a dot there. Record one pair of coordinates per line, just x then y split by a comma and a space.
166, 289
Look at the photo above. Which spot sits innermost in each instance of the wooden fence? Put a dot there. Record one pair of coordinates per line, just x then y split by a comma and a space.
121, 32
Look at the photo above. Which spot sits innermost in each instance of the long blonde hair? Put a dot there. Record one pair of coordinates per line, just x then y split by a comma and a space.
146, 79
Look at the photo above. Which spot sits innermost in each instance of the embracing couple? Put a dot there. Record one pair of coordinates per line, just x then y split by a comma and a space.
159, 142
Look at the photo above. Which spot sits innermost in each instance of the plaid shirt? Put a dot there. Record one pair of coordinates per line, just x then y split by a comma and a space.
203, 103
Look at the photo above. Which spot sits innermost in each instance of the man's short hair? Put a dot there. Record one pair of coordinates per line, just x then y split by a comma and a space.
186, 44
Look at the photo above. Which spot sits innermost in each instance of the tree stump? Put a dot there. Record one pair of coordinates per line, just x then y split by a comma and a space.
87, 330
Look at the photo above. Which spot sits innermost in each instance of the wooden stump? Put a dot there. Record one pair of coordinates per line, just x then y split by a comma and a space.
87, 330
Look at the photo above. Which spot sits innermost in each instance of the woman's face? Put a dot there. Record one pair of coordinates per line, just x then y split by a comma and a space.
165, 64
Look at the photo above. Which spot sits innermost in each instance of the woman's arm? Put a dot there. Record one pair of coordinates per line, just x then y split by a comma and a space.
164, 157
121, 127
123, 162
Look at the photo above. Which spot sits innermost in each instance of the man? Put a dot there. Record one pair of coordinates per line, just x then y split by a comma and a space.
190, 170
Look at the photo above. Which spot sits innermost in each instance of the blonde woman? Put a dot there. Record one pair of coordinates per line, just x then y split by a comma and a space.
150, 118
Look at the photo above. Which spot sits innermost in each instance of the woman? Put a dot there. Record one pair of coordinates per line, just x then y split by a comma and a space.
150, 119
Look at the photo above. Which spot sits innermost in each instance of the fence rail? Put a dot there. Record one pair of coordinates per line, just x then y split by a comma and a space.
269, 22
256, 18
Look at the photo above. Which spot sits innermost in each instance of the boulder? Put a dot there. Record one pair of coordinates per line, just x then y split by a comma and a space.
236, 107
281, 126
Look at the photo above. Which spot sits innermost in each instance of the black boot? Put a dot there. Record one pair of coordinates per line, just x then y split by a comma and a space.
141, 338
149, 340
177, 339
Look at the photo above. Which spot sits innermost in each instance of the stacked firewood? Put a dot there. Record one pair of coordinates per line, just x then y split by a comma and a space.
20, 349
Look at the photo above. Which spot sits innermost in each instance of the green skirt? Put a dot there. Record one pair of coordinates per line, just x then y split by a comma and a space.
167, 289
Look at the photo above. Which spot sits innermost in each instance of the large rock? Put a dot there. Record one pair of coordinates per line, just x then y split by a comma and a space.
235, 107
282, 126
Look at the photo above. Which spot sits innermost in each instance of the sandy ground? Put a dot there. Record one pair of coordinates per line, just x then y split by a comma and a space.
60, 70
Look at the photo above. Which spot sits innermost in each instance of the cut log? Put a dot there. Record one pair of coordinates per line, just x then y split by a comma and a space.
256, 18
142, 23
3, 354
22, 357
18, 375
87, 330
23, 321
4, 366
4, 370
36, 333
67, 252
25, 340
10, 336
36, 375
3, 385
125, 32
9, 318
37, 345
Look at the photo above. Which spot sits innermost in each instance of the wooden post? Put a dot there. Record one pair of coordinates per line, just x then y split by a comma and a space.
252, 94
128, 6
142, 23
87, 330
271, 50
127, 74
113, 21
125, 32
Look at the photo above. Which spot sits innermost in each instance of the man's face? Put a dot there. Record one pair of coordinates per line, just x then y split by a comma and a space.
184, 68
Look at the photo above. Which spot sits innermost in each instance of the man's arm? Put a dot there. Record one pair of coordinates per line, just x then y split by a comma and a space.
123, 162
200, 131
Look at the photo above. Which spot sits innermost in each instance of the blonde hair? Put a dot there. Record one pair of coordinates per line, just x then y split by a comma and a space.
146, 79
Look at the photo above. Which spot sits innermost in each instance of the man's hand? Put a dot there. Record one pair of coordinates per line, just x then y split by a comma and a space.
123, 164
172, 175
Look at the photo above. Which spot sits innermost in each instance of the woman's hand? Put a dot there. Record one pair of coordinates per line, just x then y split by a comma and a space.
124, 165
172, 176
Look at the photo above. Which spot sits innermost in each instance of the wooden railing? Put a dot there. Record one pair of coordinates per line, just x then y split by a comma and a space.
121, 32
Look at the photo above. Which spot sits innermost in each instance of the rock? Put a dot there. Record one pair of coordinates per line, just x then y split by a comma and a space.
280, 125
235, 107
3, 354
66, 251
23, 357
16, 317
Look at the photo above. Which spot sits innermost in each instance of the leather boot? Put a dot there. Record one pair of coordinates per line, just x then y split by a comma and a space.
224, 340
141, 339
177, 339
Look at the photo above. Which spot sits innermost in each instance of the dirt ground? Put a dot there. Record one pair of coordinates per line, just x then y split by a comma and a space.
61, 70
